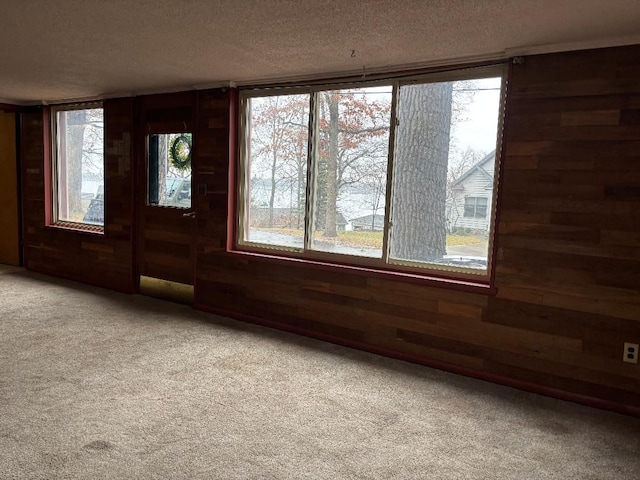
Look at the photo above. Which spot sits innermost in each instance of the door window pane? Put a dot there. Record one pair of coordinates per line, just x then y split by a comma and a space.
169, 167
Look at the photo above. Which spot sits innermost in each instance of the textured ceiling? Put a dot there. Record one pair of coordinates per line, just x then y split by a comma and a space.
72, 49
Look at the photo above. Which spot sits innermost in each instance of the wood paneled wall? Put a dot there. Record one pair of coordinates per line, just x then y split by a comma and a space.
568, 242
101, 259
567, 273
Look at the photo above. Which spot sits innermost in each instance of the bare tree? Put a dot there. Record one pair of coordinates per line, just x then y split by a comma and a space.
279, 136
75, 126
353, 130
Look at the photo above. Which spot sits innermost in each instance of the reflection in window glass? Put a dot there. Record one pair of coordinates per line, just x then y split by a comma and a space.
79, 169
169, 167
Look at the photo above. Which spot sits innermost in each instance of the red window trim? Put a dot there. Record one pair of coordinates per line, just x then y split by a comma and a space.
48, 136
78, 227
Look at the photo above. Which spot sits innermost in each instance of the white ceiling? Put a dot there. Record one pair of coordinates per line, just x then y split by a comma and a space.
71, 49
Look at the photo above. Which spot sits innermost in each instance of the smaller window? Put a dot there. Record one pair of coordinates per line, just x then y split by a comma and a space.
78, 165
475, 207
169, 170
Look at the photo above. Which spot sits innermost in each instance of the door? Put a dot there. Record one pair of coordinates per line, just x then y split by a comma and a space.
9, 203
166, 213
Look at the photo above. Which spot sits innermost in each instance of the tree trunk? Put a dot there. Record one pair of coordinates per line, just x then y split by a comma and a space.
300, 195
301, 163
332, 168
163, 158
272, 196
420, 171
76, 123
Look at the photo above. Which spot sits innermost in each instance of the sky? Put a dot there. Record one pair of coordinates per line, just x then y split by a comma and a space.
478, 129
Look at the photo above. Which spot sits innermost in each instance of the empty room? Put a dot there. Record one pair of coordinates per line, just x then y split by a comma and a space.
288, 239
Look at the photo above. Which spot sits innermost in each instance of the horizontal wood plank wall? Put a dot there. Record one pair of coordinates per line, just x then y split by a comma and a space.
103, 260
569, 234
568, 247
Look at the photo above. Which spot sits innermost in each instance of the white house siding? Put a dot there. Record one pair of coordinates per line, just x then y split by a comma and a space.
477, 184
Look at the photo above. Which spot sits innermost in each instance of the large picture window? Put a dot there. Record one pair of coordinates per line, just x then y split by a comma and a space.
78, 166
374, 174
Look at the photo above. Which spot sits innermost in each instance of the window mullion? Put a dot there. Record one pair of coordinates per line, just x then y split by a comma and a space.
312, 139
390, 159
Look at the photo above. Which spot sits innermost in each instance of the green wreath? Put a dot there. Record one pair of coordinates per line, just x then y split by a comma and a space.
180, 152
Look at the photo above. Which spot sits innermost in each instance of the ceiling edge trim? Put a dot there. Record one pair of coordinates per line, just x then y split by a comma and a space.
573, 46
15, 103
138, 93
366, 72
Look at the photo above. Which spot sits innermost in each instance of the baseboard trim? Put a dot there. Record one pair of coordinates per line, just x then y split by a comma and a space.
437, 364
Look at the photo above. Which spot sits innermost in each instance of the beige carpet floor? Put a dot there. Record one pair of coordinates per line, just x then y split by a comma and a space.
100, 385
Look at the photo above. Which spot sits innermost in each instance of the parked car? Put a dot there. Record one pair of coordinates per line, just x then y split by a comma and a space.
95, 210
177, 193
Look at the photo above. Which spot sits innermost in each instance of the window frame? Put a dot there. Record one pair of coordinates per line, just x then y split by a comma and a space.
147, 170
54, 165
380, 265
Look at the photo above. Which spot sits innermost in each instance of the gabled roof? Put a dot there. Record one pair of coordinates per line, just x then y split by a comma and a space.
366, 219
478, 167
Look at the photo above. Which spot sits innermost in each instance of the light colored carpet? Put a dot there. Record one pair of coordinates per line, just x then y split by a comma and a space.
99, 385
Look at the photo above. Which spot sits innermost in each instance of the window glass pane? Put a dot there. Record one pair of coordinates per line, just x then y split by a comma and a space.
481, 207
445, 153
80, 166
469, 207
169, 169
351, 180
275, 170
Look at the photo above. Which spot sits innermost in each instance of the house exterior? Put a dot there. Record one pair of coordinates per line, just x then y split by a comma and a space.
469, 202
369, 223
285, 218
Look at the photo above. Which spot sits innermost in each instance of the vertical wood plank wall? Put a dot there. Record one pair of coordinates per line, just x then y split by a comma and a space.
165, 236
568, 244
101, 259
